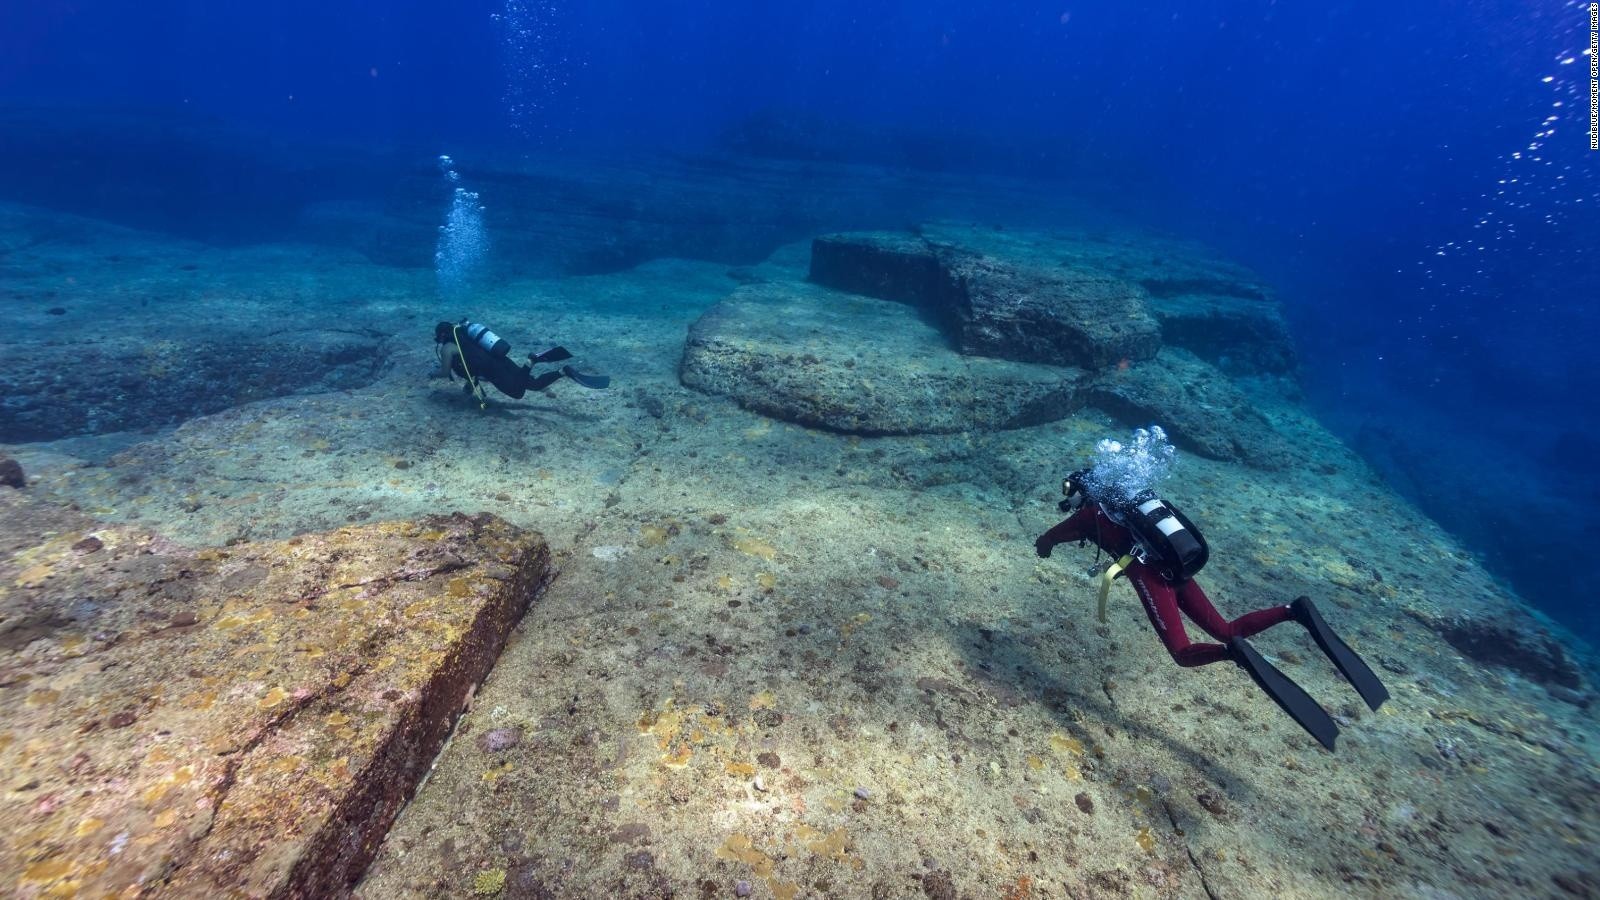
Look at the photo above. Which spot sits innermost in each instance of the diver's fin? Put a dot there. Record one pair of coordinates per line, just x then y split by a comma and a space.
554, 354
1349, 663
1290, 696
598, 382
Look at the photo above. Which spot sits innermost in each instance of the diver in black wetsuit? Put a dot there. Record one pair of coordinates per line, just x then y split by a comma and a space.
478, 355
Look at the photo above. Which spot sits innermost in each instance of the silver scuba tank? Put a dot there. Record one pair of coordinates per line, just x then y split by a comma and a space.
488, 340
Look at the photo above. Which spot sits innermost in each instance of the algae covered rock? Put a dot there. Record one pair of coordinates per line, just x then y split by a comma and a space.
1197, 405
236, 722
851, 364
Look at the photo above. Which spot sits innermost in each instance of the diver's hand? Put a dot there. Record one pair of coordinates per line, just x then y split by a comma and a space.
1042, 547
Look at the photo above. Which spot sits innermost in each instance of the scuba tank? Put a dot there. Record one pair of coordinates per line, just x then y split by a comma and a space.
1163, 537
483, 337
1166, 539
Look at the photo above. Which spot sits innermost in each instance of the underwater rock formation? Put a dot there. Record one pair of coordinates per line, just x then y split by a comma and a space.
1197, 405
1083, 299
129, 383
846, 363
997, 307
11, 474
1512, 641
239, 721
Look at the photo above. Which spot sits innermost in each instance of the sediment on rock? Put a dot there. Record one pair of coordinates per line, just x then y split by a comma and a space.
238, 721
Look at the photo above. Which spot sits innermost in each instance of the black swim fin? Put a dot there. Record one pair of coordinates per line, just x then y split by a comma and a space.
597, 382
1290, 696
554, 354
1349, 663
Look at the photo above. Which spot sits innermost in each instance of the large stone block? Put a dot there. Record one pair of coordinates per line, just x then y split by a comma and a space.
244, 721
993, 305
847, 363
1088, 299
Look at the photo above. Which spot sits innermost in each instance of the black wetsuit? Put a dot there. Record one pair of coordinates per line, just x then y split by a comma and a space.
512, 380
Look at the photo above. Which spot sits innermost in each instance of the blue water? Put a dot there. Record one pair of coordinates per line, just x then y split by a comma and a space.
1415, 179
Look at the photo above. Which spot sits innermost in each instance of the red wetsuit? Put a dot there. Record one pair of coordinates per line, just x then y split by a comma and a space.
1163, 599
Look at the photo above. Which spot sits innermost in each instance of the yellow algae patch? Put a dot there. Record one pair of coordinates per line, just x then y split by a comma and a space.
33, 575
458, 588
72, 642
165, 817
652, 536
1035, 763
229, 622
739, 848
274, 697
47, 870
489, 882
156, 756
1062, 743
1072, 773
200, 699
831, 845
724, 582
740, 768
88, 826
337, 719
665, 725
763, 700
43, 697
767, 581
286, 764
856, 621
753, 547
677, 759
1145, 840
783, 890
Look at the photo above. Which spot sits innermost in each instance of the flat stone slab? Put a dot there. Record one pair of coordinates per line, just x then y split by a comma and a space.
1197, 405
846, 363
242, 721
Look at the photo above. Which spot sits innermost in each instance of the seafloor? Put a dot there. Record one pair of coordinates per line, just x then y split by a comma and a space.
786, 660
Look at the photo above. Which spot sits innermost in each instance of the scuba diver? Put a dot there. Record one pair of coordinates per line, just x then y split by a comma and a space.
1159, 550
477, 354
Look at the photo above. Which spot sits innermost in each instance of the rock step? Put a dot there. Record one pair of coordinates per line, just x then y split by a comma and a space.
1197, 405
244, 721
842, 362
1084, 299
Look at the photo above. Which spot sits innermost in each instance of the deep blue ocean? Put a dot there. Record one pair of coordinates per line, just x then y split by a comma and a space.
1414, 179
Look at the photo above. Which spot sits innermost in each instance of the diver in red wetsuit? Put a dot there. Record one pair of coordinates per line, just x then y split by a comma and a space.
1158, 549
1163, 599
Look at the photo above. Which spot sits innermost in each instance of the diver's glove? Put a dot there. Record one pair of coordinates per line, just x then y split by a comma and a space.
1042, 546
